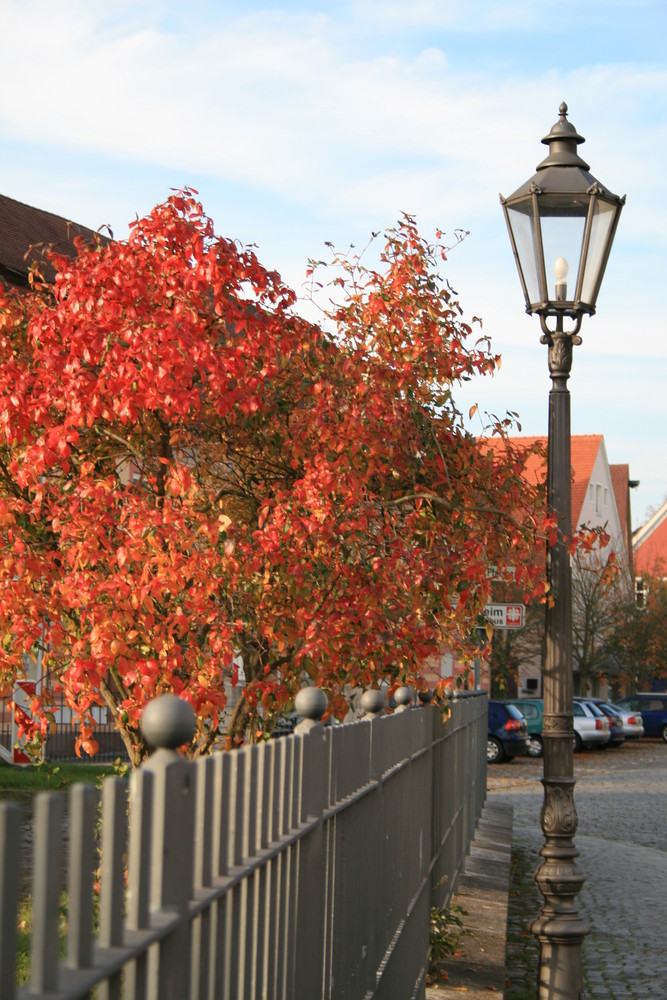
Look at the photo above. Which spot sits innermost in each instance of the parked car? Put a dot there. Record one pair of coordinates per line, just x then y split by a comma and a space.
508, 733
591, 726
616, 734
633, 726
532, 710
653, 708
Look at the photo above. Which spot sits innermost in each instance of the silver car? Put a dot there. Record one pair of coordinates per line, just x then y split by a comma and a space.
633, 725
591, 726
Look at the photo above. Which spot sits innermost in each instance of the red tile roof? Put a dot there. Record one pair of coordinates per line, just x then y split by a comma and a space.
650, 545
25, 232
584, 450
620, 480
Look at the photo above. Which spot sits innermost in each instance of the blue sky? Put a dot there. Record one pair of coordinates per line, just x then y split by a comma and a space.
301, 123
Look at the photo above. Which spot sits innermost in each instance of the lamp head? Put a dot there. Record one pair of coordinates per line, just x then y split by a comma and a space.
562, 217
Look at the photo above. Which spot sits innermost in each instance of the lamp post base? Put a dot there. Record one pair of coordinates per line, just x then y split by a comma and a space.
560, 973
559, 927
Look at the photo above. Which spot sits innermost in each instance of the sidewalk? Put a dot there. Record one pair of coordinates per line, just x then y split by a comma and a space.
482, 890
621, 799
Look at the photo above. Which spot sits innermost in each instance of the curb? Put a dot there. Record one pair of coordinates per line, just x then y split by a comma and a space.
482, 889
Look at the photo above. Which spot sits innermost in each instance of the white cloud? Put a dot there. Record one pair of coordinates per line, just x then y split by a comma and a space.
332, 121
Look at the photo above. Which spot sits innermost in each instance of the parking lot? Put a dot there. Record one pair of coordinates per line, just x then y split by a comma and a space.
621, 801
633, 753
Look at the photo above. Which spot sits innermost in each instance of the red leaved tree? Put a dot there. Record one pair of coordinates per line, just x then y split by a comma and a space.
193, 476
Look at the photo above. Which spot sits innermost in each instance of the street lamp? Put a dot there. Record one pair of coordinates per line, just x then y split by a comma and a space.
561, 224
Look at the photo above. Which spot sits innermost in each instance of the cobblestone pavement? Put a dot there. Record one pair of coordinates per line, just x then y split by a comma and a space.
621, 801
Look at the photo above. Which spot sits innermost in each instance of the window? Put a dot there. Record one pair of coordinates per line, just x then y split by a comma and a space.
641, 593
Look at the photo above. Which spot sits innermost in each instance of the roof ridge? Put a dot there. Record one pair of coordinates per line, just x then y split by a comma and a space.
45, 211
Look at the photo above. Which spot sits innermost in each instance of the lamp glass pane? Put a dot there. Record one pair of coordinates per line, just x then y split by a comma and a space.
563, 224
603, 219
522, 223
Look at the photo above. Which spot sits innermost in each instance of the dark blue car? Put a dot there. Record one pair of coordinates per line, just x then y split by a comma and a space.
508, 733
653, 708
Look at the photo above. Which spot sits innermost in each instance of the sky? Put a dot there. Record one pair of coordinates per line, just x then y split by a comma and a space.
302, 123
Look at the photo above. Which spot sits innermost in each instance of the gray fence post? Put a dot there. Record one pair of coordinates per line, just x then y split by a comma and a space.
311, 703
167, 723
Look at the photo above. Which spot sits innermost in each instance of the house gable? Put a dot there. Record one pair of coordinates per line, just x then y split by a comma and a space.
594, 487
650, 545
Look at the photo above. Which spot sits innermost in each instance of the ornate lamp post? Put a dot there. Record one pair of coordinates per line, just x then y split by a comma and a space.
561, 223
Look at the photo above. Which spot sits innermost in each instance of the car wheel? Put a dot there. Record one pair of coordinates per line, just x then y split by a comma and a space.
535, 748
577, 743
494, 751
663, 733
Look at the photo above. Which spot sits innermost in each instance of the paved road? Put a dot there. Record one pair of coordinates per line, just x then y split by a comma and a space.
621, 801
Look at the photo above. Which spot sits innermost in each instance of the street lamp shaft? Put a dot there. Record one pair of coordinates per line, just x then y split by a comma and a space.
559, 927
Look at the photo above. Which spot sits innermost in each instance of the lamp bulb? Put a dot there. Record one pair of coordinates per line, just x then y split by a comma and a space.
561, 267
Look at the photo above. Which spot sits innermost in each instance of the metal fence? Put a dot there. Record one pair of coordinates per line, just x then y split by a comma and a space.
301, 868
60, 745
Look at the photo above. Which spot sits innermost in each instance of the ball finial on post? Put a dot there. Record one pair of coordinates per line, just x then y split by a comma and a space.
311, 704
373, 703
167, 722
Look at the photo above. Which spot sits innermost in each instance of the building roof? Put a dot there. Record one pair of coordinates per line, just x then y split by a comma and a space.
25, 232
620, 479
649, 545
584, 449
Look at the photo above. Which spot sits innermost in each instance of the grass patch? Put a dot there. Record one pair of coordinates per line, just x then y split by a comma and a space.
20, 784
24, 782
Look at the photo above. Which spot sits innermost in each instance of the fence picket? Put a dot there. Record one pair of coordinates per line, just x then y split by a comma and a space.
219, 869
10, 838
201, 926
83, 801
112, 889
47, 885
139, 869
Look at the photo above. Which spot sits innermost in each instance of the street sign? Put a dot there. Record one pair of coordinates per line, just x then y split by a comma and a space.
493, 573
505, 615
